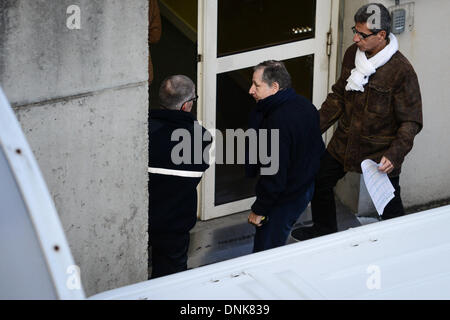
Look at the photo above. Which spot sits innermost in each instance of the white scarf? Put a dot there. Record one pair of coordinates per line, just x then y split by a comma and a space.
364, 67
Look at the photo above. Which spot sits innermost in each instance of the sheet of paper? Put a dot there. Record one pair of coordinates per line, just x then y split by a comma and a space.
378, 184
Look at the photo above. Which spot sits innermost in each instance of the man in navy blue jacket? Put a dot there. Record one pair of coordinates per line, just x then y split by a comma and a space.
283, 196
174, 174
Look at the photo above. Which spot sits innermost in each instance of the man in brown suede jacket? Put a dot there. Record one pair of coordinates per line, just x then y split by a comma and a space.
378, 107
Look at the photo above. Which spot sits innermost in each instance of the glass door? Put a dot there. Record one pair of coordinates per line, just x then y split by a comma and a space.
234, 36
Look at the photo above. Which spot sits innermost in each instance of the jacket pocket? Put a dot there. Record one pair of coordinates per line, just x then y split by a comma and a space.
378, 100
386, 140
373, 147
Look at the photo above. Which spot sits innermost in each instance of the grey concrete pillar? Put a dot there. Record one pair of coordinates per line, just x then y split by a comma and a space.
81, 97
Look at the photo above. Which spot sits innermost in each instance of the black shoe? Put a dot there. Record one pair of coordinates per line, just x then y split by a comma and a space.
306, 233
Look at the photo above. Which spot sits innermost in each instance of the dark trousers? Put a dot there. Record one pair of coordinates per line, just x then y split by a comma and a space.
169, 252
323, 205
281, 220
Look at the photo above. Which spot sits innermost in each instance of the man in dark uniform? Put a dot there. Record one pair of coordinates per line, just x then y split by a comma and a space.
174, 176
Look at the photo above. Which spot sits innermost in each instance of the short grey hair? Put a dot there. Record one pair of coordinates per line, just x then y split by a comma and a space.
175, 90
275, 71
364, 13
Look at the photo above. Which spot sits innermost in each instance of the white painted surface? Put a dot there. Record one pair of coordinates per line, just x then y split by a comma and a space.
404, 258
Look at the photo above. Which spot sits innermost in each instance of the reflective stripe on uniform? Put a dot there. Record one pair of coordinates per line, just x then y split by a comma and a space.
178, 173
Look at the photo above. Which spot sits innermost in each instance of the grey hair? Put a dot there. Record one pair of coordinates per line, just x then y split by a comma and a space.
175, 90
364, 13
275, 71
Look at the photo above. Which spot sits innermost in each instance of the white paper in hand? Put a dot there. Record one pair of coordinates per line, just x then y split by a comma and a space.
378, 184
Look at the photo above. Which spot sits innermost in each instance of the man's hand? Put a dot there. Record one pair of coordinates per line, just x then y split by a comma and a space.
386, 166
254, 219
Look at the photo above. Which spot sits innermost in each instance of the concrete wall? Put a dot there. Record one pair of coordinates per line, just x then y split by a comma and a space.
426, 171
81, 98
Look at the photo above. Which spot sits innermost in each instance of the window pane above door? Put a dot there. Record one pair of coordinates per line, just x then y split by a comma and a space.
245, 25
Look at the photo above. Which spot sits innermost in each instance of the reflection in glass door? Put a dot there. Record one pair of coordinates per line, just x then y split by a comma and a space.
237, 35
233, 105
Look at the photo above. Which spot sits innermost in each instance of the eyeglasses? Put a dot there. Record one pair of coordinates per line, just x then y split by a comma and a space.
362, 35
194, 99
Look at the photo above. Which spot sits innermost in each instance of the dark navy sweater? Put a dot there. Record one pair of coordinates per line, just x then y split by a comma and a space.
300, 148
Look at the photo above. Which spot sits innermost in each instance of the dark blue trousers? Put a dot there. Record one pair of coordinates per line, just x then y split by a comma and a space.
169, 252
281, 220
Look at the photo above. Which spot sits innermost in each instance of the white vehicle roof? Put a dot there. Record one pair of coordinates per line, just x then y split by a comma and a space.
404, 258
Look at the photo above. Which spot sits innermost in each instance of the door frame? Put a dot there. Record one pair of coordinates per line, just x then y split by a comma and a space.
209, 65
